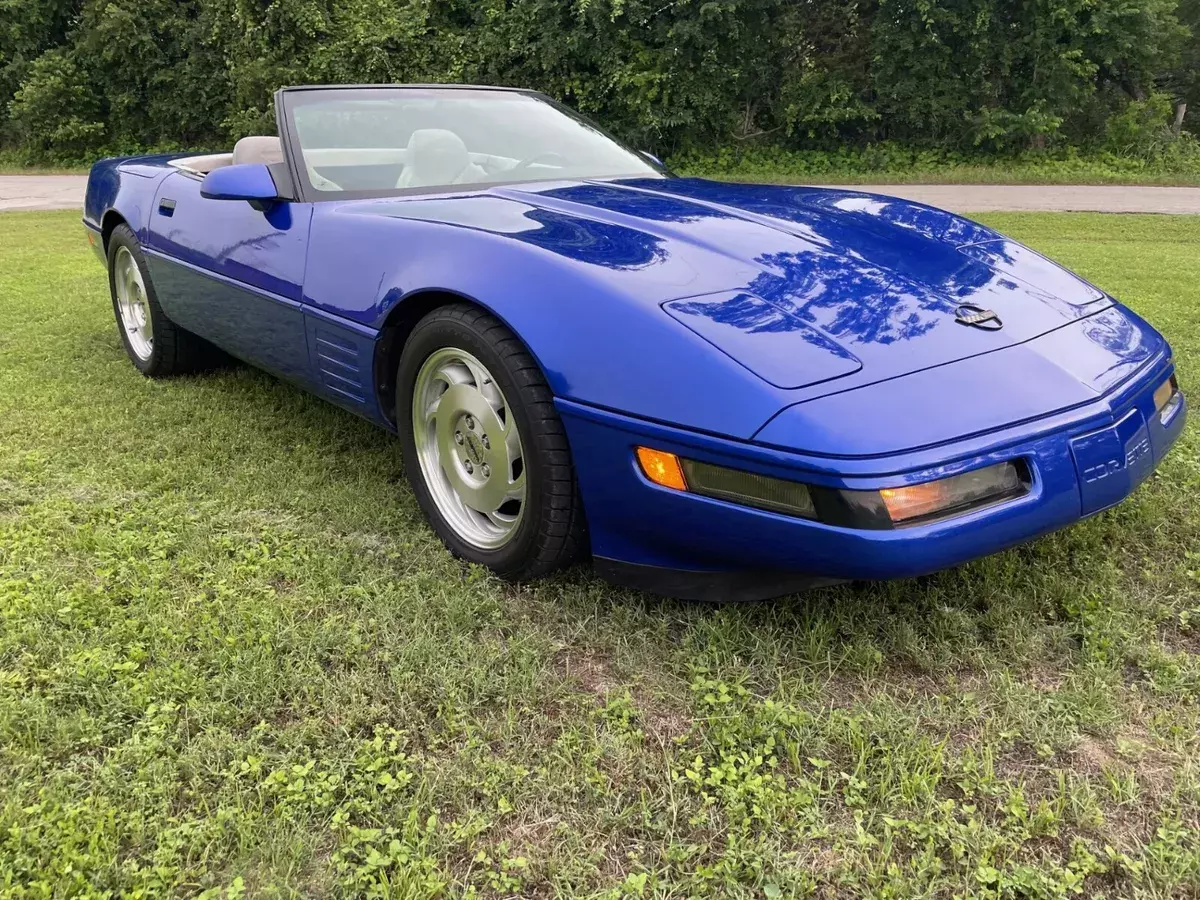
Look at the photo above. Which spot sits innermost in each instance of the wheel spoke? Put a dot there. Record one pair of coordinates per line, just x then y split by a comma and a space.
479, 375
500, 520
455, 373
492, 395
512, 442
486, 385
516, 488
431, 410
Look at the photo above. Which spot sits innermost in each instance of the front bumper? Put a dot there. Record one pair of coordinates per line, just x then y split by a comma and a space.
689, 546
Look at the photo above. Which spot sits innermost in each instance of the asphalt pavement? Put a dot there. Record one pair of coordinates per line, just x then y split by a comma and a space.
42, 191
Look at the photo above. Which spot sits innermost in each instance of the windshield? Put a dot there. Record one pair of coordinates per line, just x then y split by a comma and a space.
384, 140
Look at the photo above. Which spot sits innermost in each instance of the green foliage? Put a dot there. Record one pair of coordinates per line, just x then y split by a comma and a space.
29, 28
1140, 132
1184, 81
55, 113
84, 77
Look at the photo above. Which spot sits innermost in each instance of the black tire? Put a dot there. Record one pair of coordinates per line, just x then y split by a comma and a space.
174, 350
551, 532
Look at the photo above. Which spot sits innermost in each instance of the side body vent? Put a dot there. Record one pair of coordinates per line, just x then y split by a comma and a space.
342, 359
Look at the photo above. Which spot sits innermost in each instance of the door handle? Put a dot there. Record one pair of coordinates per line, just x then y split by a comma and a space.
166, 207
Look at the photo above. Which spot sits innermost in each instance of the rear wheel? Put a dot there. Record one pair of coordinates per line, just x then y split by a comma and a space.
484, 447
157, 347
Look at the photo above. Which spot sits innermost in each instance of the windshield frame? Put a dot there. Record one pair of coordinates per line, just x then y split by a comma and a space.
288, 99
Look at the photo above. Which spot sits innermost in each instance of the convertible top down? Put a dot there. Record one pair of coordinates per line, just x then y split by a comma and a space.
720, 391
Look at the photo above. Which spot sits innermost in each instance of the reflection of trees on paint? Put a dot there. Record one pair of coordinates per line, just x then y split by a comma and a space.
589, 241
1117, 334
755, 316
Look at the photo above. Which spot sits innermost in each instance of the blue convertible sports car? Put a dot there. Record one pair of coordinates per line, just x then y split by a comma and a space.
721, 391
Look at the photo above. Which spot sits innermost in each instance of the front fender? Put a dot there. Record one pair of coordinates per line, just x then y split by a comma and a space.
591, 317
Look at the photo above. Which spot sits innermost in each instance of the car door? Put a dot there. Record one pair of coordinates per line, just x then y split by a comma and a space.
233, 273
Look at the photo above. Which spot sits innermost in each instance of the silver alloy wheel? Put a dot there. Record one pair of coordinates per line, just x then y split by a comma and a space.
469, 448
133, 304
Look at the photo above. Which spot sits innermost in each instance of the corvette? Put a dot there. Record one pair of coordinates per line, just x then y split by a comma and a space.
717, 391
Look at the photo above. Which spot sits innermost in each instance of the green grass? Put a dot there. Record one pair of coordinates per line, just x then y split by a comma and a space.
234, 661
891, 164
41, 170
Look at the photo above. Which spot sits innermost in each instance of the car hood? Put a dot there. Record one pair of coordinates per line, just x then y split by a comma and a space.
806, 286
808, 292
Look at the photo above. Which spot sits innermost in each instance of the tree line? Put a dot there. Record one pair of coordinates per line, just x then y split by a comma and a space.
81, 78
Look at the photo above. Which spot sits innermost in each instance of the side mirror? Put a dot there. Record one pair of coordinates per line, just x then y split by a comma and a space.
249, 181
654, 159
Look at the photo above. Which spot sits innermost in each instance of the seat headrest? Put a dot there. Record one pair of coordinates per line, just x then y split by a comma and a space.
435, 156
258, 149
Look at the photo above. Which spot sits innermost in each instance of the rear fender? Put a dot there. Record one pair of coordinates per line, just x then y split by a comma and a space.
124, 187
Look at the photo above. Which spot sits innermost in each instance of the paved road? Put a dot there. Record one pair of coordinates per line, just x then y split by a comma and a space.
1046, 198
42, 191
66, 192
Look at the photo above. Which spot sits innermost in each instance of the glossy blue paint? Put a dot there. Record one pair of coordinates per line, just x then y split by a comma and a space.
774, 344
249, 181
260, 249
123, 187
803, 333
1056, 372
233, 274
633, 520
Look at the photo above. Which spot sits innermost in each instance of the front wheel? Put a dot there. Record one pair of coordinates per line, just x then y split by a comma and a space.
484, 447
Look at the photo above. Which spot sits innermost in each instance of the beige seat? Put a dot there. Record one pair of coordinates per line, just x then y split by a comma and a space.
437, 156
268, 151
258, 149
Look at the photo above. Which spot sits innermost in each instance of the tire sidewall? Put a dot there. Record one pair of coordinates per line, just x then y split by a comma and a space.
433, 334
123, 237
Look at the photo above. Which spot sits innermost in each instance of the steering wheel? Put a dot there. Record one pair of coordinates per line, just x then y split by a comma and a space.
528, 161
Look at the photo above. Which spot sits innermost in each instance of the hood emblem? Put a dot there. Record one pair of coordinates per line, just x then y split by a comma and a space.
977, 316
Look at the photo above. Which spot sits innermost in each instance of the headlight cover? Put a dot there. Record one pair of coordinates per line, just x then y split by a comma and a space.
877, 509
957, 494
1166, 398
750, 489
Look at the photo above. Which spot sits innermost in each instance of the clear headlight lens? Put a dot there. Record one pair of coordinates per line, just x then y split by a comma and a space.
1164, 394
946, 495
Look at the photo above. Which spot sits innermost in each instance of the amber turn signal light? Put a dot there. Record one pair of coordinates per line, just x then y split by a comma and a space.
662, 468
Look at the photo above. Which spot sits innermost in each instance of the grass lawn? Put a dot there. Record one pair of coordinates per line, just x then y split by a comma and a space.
40, 170
234, 661
891, 164
803, 172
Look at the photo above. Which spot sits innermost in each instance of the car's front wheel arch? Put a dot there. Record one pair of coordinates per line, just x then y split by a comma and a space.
108, 225
398, 327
